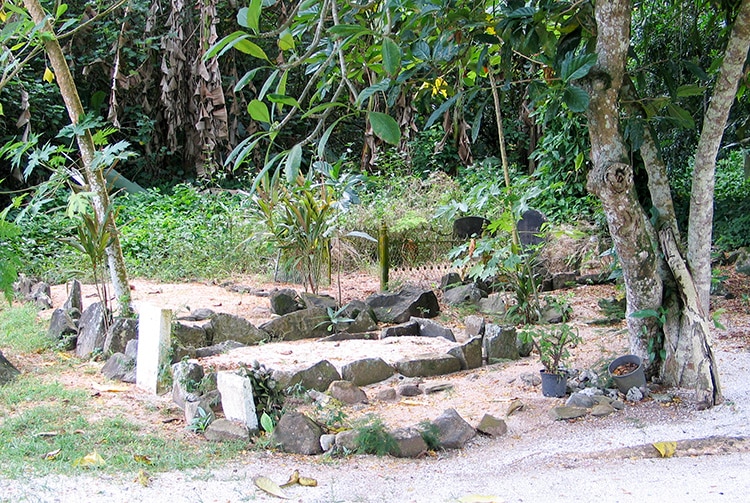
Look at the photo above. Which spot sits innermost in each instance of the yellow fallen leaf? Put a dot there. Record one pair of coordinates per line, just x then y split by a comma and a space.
90, 459
143, 478
481, 498
48, 75
52, 455
111, 388
412, 402
269, 486
140, 458
666, 449
307, 482
293, 479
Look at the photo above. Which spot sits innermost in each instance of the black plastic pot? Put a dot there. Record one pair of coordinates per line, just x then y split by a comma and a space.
554, 385
635, 379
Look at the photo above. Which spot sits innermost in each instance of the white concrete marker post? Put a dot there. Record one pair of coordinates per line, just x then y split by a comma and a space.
237, 398
154, 339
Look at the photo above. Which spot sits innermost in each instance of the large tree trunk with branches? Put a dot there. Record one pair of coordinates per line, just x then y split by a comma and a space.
87, 149
675, 286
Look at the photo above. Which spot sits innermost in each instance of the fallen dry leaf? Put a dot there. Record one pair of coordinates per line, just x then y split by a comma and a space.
140, 458
111, 388
481, 498
143, 478
269, 486
90, 459
666, 449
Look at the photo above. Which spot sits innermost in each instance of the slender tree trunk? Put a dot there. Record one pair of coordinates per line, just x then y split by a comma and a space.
94, 175
714, 122
611, 177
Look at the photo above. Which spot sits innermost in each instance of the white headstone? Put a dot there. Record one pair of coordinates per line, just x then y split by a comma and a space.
154, 330
237, 398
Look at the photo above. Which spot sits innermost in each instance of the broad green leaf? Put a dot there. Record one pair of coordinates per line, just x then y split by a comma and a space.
440, 110
61, 9
283, 99
250, 48
575, 66
421, 50
266, 422
344, 30
259, 111
381, 86
680, 116
385, 127
281, 88
690, 90
391, 54
666, 449
576, 98
645, 313
286, 41
248, 77
319, 108
293, 162
249, 17
267, 84
579, 161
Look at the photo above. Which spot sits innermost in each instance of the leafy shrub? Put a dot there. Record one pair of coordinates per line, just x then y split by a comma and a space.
373, 437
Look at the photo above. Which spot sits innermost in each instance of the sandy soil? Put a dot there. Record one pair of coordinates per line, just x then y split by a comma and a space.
600, 459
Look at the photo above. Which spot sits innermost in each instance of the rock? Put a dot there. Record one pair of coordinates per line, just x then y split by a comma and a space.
409, 328
7, 371
524, 348
602, 409
529, 228
387, 395
531, 379
186, 377
400, 307
41, 295
428, 328
453, 432
74, 302
563, 280
492, 426
131, 349
189, 335
427, 365
579, 400
311, 300
309, 323
363, 316
345, 336
223, 430
284, 301
199, 314
347, 392
409, 443
474, 325
366, 371
742, 263
500, 343
318, 376
120, 332
202, 405
409, 388
217, 349
450, 280
118, 366
327, 442
464, 294
91, 333
634, 395
346, 441
492, 305
228, 327
63, 329
434, 387
296, 433
560, 413
469, 354
618, 404
237, 398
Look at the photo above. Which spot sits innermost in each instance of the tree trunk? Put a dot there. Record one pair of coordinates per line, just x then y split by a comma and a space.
611, 177
714, 122
94, 175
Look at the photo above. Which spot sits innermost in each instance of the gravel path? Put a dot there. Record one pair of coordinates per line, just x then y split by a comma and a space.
579, 461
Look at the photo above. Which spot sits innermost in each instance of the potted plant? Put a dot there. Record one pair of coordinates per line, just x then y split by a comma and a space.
553, 345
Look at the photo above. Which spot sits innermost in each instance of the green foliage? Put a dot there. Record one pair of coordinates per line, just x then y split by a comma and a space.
430, 434
9, 260
553, 344
200, 422
21, 329
268, 396
373, 437
189, 234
